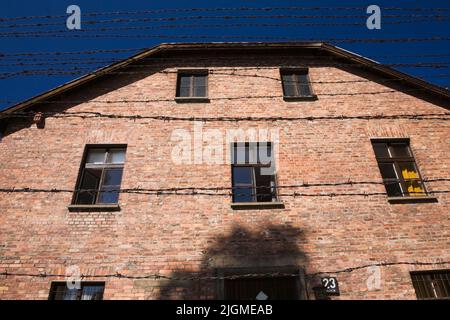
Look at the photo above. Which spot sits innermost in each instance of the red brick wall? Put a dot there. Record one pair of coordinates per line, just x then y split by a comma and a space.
185, 235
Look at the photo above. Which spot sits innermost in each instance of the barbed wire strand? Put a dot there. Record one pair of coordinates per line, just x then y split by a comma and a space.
230, 17
157, 276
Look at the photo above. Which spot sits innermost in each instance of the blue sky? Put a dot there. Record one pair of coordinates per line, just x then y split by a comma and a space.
20, 87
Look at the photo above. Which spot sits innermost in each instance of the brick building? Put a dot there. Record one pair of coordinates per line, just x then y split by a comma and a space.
353, 180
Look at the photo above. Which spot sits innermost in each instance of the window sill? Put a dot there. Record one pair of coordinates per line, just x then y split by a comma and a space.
305, 98
256, 205
192, 99
421, 199
93, 207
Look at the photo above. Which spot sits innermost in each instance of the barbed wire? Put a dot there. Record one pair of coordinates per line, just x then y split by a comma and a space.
209, 26
241, 37
230, 17
224, 9
76, 70
186, 277
437, 65
215, 189
59, 53
124, 101
365, 194
4, 56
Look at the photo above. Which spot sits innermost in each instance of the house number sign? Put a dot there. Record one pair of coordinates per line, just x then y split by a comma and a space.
331, 285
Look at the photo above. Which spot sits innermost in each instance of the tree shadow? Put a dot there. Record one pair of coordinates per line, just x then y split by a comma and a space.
271, 254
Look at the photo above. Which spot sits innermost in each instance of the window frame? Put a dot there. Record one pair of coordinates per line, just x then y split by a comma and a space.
103, 166
253, 167
298, 96
395, 161
300, 280
55, 284
191, 73
428, 274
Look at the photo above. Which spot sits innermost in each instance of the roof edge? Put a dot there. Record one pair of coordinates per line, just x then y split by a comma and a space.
228, 45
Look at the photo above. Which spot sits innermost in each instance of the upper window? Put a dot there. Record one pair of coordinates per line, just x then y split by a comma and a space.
398, 168
432, 284
87, 291
253, 172
100, 176
192, 84
296, 83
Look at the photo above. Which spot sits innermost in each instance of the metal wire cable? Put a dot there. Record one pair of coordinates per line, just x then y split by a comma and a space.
193, 277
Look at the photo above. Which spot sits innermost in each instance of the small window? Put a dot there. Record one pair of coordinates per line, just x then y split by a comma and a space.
253, 174
100, 176
296, 83
398, 168
192, 84
431, 284
86, 291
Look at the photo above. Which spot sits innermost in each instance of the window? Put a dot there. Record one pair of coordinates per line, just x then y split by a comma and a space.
253, 173
192, 84
285, 283
270, 288
100, 176
296, 83
87, 291
398, 168
431, 284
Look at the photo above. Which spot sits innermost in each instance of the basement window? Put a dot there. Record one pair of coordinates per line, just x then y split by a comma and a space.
398, 168
86, 291
100, 175
431, 284
192, 84
261, 285
253, 172
296, 84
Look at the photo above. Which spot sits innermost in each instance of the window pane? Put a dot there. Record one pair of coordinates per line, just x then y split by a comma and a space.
109, 194
263, 186
393, 189
200, 80
264, 153
240, 153
432, 285
116, 156
92, 293
243, 194
415, 188
90, 181
399, 150
112, 177
184, 92
388, 171
199, 91
60, 291
110, 186
304, 88
289, 85
381, 150
274, 288
242, 175
184, 86
409, 170
185, 80
96, 156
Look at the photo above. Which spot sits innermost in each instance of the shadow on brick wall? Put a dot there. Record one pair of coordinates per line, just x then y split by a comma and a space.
266, 249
